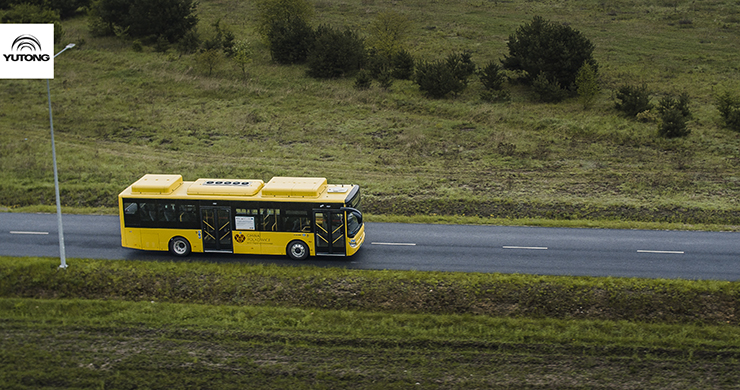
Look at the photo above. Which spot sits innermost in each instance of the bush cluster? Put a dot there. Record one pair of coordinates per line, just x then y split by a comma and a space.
289, 40
673, 112
148, 20
335, 53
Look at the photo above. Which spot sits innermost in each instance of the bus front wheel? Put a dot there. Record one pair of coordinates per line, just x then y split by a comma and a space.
179, 246
297, 250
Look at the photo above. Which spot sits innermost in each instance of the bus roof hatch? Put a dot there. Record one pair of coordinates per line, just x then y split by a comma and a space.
157, 184
295, 187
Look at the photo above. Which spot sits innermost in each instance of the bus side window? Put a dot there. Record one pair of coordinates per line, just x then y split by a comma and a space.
187, 213
147, 212
130, 208
166, 212
270, 219
130, 213
296, 221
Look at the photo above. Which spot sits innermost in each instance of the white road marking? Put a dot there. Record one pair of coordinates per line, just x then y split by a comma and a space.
539, 248
21, 232
663, 252
394, 243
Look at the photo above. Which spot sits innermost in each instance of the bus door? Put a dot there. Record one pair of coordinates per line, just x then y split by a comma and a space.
329, 228
216, 227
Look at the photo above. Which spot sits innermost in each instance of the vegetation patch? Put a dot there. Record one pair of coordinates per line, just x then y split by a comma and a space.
509, 209
128, 324
661, 301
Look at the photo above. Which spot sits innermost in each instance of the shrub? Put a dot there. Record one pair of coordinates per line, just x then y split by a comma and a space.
242, 56
673, 124
437, 80
290, 40
170, 19
222, 40
363, 80
681, 104
548, 91
189, 43
674, 113
335, 53
161, 46
28, 13
462, 65
209, 60
587, 85
440, 78
633, 100
399, 65
282, 12
148, 19
377, 63
492, 76
402, 65
385, 80
728, 106
556, 50
387, 33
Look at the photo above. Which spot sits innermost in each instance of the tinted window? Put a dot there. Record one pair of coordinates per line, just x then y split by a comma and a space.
296, 221
355, 199
354, 223
271, 221
161, 214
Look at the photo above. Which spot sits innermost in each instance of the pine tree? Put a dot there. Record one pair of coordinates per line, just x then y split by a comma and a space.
587, 85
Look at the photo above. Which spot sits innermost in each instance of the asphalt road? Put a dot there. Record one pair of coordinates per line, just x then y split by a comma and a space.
460, 248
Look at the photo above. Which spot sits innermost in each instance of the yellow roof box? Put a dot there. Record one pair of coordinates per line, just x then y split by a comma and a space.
230, 187
295, 187
157, 184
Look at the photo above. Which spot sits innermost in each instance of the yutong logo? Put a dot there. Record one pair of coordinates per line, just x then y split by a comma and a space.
23, 43
26, 51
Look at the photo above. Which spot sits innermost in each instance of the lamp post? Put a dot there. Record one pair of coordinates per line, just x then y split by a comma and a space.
62, 255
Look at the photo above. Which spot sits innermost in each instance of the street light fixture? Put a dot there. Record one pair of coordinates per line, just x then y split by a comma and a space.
62, 255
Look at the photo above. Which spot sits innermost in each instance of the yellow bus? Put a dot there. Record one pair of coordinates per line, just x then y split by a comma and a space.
297, 216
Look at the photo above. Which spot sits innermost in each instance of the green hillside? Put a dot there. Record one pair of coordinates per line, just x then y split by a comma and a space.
120, 113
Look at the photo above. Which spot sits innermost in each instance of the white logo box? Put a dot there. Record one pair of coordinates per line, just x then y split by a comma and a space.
26, 51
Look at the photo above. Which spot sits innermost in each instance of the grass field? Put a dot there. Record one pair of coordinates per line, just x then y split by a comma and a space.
121, 324
119, 114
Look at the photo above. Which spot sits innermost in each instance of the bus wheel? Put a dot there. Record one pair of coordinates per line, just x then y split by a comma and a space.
179, 246
297, 250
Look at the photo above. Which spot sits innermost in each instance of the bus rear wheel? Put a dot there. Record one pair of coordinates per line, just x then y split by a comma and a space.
179, 246
297, 250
